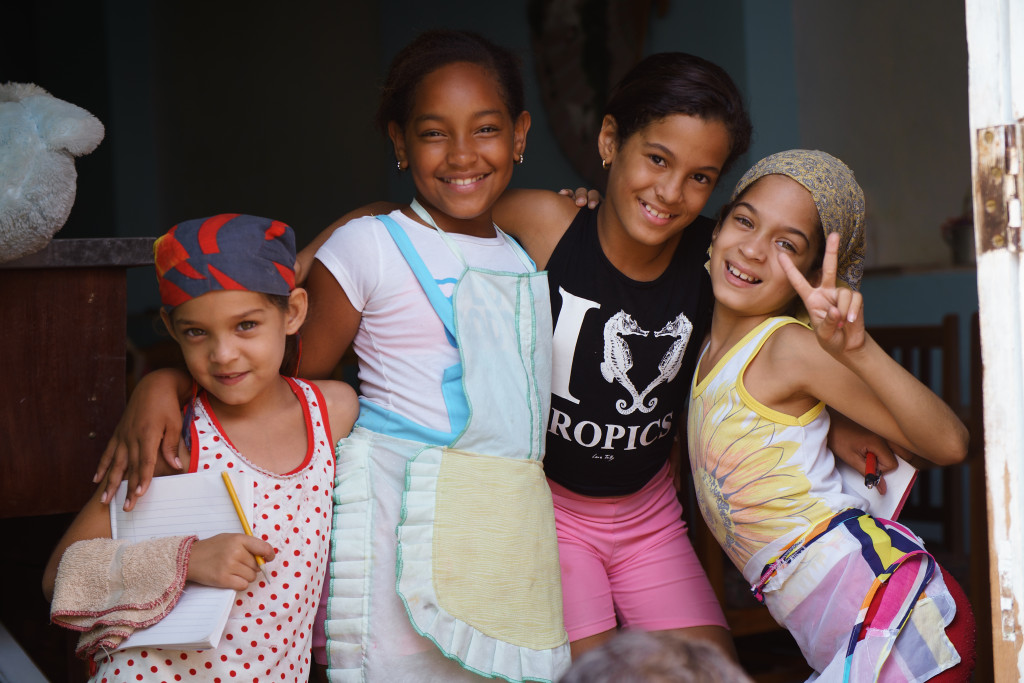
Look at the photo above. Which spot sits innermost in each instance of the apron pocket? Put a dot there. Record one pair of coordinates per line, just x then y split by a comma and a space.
478, 558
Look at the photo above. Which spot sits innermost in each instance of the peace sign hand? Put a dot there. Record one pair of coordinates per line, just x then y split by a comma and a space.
835, 312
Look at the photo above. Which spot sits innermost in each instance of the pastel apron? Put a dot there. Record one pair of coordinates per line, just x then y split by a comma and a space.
444, 558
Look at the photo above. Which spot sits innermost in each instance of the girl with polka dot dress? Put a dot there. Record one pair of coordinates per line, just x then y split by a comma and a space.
227, 286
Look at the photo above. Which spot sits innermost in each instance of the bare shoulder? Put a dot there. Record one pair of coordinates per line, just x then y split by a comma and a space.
782, 373
536, 218
521, 212
791, 348
342, 405
790, 340
798, 360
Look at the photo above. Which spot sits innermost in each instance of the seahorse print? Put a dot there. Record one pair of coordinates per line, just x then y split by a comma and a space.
668, 366
618, 359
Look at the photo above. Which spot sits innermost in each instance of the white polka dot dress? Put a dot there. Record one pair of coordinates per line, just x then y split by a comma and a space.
269, 632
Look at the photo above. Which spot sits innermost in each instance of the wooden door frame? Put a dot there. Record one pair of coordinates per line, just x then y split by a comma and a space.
996, 97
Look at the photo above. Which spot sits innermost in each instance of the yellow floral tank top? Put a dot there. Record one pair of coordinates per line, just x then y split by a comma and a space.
762, 477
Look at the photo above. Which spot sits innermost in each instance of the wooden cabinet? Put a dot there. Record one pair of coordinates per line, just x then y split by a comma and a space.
63, 350
62, 360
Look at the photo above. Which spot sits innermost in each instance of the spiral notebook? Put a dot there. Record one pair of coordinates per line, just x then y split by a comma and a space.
180, 505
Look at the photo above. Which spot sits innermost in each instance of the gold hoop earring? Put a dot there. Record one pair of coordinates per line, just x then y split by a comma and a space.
605, 164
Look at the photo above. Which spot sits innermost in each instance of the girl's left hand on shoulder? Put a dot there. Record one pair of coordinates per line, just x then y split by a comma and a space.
835, 312
583, 197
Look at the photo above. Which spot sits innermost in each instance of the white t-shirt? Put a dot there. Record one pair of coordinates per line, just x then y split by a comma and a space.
401, 343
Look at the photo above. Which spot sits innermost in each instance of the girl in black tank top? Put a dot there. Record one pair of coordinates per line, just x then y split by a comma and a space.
624, 358
631, 299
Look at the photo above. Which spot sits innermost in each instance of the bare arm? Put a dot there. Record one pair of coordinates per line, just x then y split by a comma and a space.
843, 366
342, 406
223, 561
851, 443
93, 521
536, 218
878, 393
330, 326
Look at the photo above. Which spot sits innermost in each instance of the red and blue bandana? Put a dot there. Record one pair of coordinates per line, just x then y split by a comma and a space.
227, 251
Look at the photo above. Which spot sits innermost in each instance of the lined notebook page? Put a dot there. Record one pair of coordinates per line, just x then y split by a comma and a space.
182, 505
196, 622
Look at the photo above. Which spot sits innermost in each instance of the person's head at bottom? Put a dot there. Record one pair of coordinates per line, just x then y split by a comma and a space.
655, 657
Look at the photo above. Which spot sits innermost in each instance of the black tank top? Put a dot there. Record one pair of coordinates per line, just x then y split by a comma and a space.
624, 355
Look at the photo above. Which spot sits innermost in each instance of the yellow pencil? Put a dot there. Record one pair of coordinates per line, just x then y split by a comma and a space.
243, 519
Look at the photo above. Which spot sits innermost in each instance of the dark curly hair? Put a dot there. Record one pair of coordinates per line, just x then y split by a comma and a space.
434, 49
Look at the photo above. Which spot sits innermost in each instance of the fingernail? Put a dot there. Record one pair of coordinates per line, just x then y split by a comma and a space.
103, 497
96, 478
177, 463
138, 490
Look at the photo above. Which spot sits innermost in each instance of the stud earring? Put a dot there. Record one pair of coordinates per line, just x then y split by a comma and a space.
520, 160
400, 166
605, 164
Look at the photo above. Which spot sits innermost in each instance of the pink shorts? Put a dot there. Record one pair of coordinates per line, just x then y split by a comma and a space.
627, 561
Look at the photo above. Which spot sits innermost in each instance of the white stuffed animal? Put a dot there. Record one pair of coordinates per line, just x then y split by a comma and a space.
39, 137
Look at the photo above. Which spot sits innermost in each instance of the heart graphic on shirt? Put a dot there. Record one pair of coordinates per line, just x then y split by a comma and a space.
618, 357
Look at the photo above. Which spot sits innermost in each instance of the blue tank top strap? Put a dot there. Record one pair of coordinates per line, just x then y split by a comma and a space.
442, 305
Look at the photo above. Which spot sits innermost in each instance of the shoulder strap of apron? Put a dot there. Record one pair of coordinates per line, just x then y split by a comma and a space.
441, 304
524, 258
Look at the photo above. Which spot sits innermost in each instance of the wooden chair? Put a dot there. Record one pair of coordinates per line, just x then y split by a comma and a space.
948, 505
936, 507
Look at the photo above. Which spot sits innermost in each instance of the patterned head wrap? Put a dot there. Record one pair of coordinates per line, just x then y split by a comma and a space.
228, 251
837, 196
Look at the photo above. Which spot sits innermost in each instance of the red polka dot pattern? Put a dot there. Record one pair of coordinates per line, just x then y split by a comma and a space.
269, 631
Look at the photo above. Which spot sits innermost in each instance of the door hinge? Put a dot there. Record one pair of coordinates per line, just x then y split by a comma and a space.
998, 188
